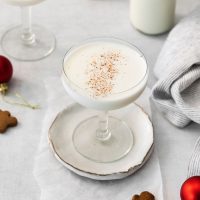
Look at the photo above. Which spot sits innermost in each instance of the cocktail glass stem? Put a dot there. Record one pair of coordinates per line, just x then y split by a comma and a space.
27, 36
103, 133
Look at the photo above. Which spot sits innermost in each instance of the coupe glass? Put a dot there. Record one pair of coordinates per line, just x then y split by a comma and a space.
103, 137
27, 42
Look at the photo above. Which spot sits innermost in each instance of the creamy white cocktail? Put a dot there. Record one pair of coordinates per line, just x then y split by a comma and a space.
104, 74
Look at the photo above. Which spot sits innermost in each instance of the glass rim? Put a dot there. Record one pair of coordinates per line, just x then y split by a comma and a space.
104, 39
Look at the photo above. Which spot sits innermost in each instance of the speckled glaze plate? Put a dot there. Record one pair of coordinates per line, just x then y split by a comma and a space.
60, 140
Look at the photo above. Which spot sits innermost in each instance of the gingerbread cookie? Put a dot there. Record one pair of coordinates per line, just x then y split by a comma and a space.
144, 196
6, 120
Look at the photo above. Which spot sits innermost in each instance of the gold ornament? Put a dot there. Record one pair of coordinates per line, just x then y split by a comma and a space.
3, 88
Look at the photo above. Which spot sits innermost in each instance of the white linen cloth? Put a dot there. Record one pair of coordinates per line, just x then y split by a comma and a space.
57, 182
19, 144
177, 93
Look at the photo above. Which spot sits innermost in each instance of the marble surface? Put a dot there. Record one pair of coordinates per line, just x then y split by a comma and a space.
72, 21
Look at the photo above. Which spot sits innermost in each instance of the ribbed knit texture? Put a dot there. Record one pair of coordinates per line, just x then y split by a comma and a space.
177, 92
194, 165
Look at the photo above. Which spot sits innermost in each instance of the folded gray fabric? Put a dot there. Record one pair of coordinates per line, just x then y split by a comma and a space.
177, 92
194, 165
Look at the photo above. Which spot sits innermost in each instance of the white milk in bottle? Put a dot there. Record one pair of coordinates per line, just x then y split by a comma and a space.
152, 16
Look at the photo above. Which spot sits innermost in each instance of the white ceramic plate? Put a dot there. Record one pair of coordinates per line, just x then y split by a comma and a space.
60, 140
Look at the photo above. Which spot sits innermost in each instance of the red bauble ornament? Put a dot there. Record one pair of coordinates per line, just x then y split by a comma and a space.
6, 70
190, 189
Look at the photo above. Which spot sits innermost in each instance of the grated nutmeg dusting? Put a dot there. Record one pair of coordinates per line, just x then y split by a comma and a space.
102, 71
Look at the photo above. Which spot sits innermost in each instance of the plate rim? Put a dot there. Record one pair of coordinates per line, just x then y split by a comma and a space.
130, 170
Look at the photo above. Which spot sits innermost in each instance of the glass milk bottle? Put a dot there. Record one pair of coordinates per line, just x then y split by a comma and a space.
152, 16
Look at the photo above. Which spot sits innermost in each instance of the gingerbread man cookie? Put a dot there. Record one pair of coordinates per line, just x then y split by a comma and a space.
6, 120
144, 196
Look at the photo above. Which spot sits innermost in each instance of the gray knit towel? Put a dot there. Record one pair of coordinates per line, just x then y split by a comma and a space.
177, 92
194, 165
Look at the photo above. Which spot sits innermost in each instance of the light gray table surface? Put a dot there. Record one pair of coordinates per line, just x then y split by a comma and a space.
72, 21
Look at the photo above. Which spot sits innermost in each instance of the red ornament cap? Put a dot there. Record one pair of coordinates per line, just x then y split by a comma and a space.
190, 189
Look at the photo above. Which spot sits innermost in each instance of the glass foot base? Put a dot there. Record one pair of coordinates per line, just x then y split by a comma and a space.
14, 46
114, 148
